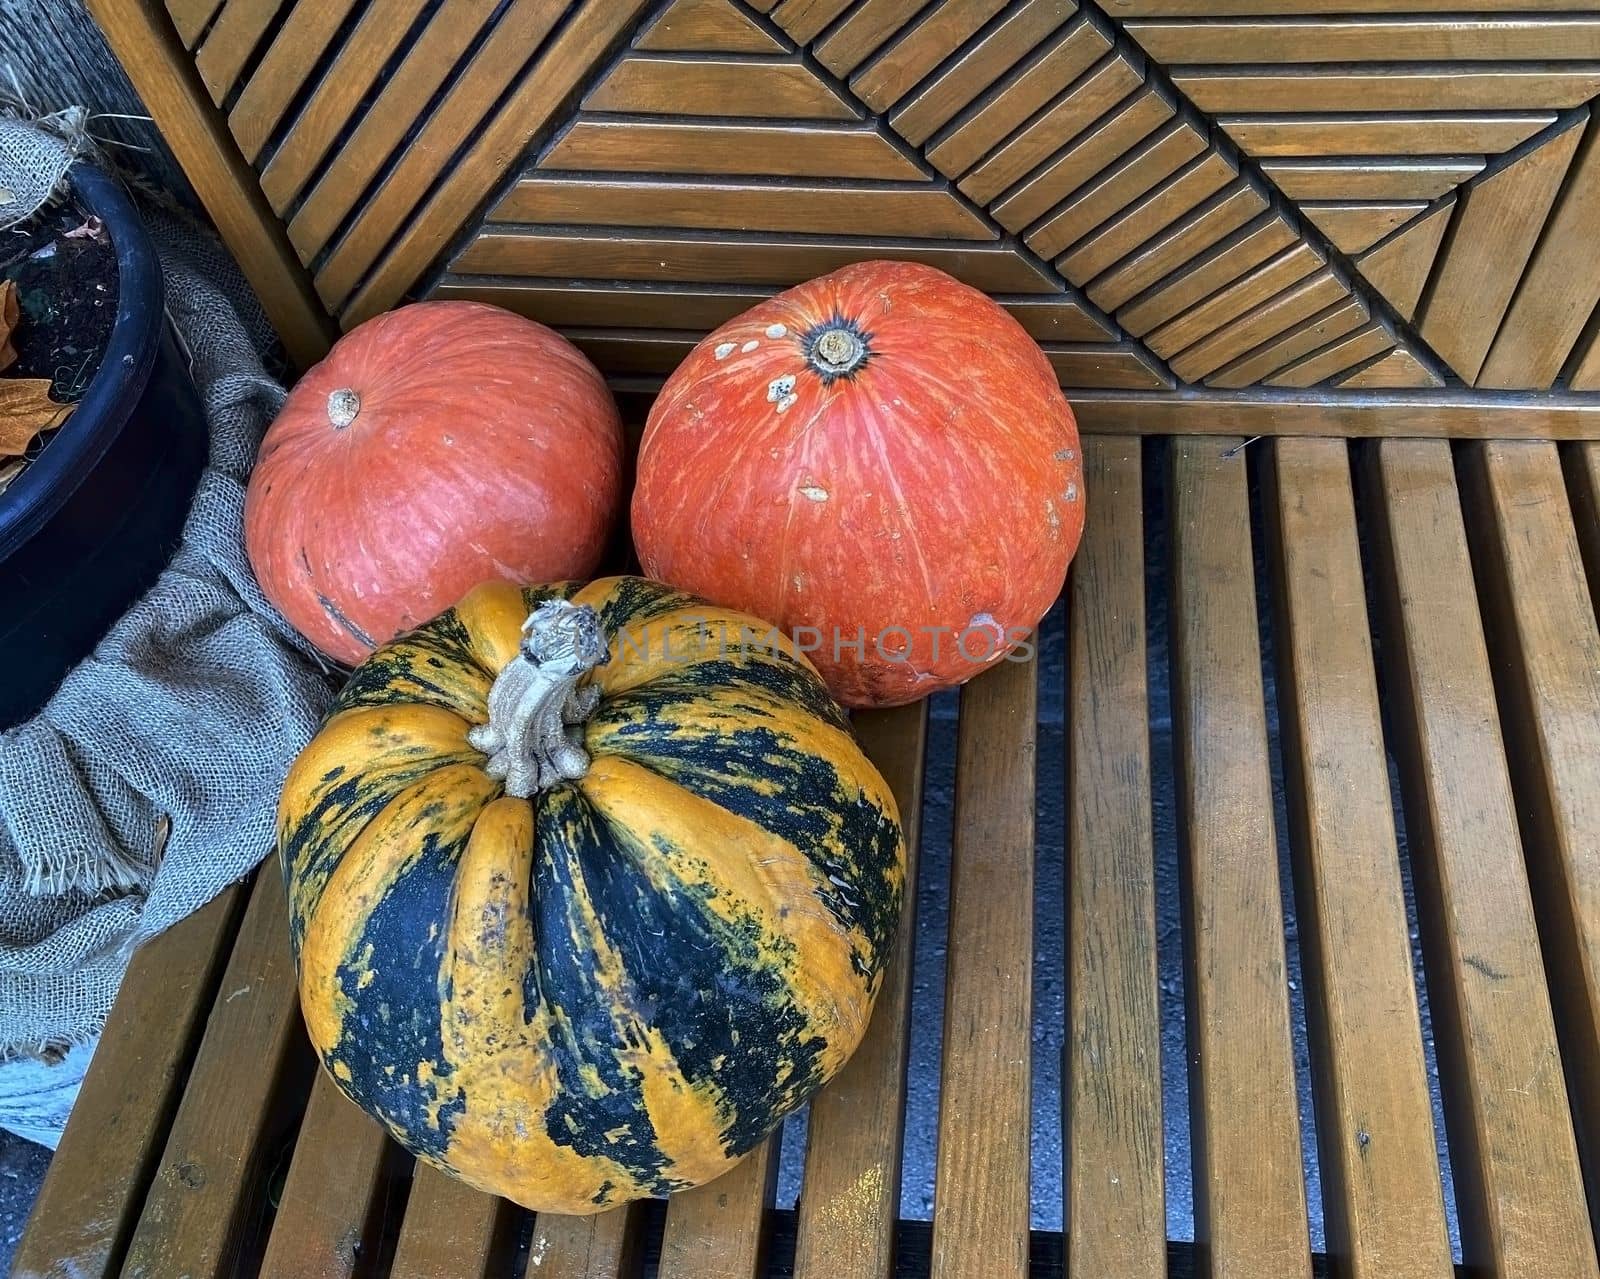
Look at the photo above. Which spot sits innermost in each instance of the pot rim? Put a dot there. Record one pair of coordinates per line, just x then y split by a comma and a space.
36, 495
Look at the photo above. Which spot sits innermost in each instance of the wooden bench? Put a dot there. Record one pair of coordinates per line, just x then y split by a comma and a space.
205, 1144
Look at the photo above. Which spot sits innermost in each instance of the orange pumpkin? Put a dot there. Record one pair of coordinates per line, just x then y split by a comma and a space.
882, 462
436, 447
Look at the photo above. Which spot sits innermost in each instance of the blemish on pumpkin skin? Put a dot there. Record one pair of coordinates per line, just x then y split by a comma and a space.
725, 350
750, 346
814, 493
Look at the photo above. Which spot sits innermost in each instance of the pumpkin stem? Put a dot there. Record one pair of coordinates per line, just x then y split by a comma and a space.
536, 710
343, 405
836, 349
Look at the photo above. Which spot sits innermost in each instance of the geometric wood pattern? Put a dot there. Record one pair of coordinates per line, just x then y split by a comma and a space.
1295, 210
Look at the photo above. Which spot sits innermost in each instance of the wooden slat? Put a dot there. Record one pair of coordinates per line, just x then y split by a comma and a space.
1586, 373
1380, 1176
401, 99
812, 208
851, 1203
1110, 193
1143, 220
326, 1225
1481, 133
1115, 1217
1369, 40
1059, 62
980, 1213
230, 42
1106, 366
752, 259
719, 1230
1094, 150
1201, 233
146, 45
645, 146
95, 1185
450, 1229
1250, 1201
708, 26
1281, 313
917, 53
805, 20
863, 32
695, 84
1335, 358
1397, 370
1079, 107
1313, 334
980, 66
335, 99
1517, 1184
1559, 290
1242, 297
1052, 320
1357, 225
1393, 88
1400, 266
1496, 224
1545, 647
284, 70
1369, 179
1232, 260
604, 1246
469, 100
587, 34
634, 352
1292, 8
190, 18
215, 1161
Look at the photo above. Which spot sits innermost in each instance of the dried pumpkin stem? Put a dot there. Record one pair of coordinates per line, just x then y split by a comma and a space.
536, 708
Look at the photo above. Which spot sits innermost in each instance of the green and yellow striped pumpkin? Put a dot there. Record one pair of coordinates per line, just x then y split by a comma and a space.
617, 986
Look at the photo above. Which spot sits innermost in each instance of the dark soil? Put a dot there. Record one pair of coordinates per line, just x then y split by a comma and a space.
67, 293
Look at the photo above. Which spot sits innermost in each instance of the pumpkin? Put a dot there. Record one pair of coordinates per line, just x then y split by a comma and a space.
882, 462
435, 447
589, 887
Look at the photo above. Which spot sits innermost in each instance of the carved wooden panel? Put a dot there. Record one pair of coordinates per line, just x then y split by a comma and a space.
1290, 211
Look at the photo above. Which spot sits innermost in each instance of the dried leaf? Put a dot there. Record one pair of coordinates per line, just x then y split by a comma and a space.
10, 315
26, 409
92, 229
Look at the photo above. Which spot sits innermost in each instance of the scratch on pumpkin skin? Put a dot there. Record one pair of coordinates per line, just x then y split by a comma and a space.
337, 616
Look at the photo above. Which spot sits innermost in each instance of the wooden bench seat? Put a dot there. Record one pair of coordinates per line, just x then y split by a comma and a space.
206, 1144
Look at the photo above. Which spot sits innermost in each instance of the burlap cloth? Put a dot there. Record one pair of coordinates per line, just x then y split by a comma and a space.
148, 783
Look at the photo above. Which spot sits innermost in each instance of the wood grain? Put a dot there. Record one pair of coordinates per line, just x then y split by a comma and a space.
1380, 1176
1370, 179
1545, 651
1491, 237
1107, 366
1250, 1201
1560, 288
1087, 155
1112, 80
707, 26
1052, 320
642, 146
719, 1230
1464, 133
1142, 220
847, 1216
1506, 39
812, 208
865, 29
1392, 88
94, 1188
604, 1246
1331, 360
751, 259
1517, 1183
230, 42
805, 20
1313, 334
1400, 266
981, 1197
451, 1230
1111, 1103
1398, 369
1237, 300
981, 65
149, 52
898, 69
697, 84
1356, 225
1057, 64
299, 45
326, 1225
1206, 231
1276, 316
215, 1162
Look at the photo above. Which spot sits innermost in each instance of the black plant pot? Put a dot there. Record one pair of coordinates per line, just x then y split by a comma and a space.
88, 527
